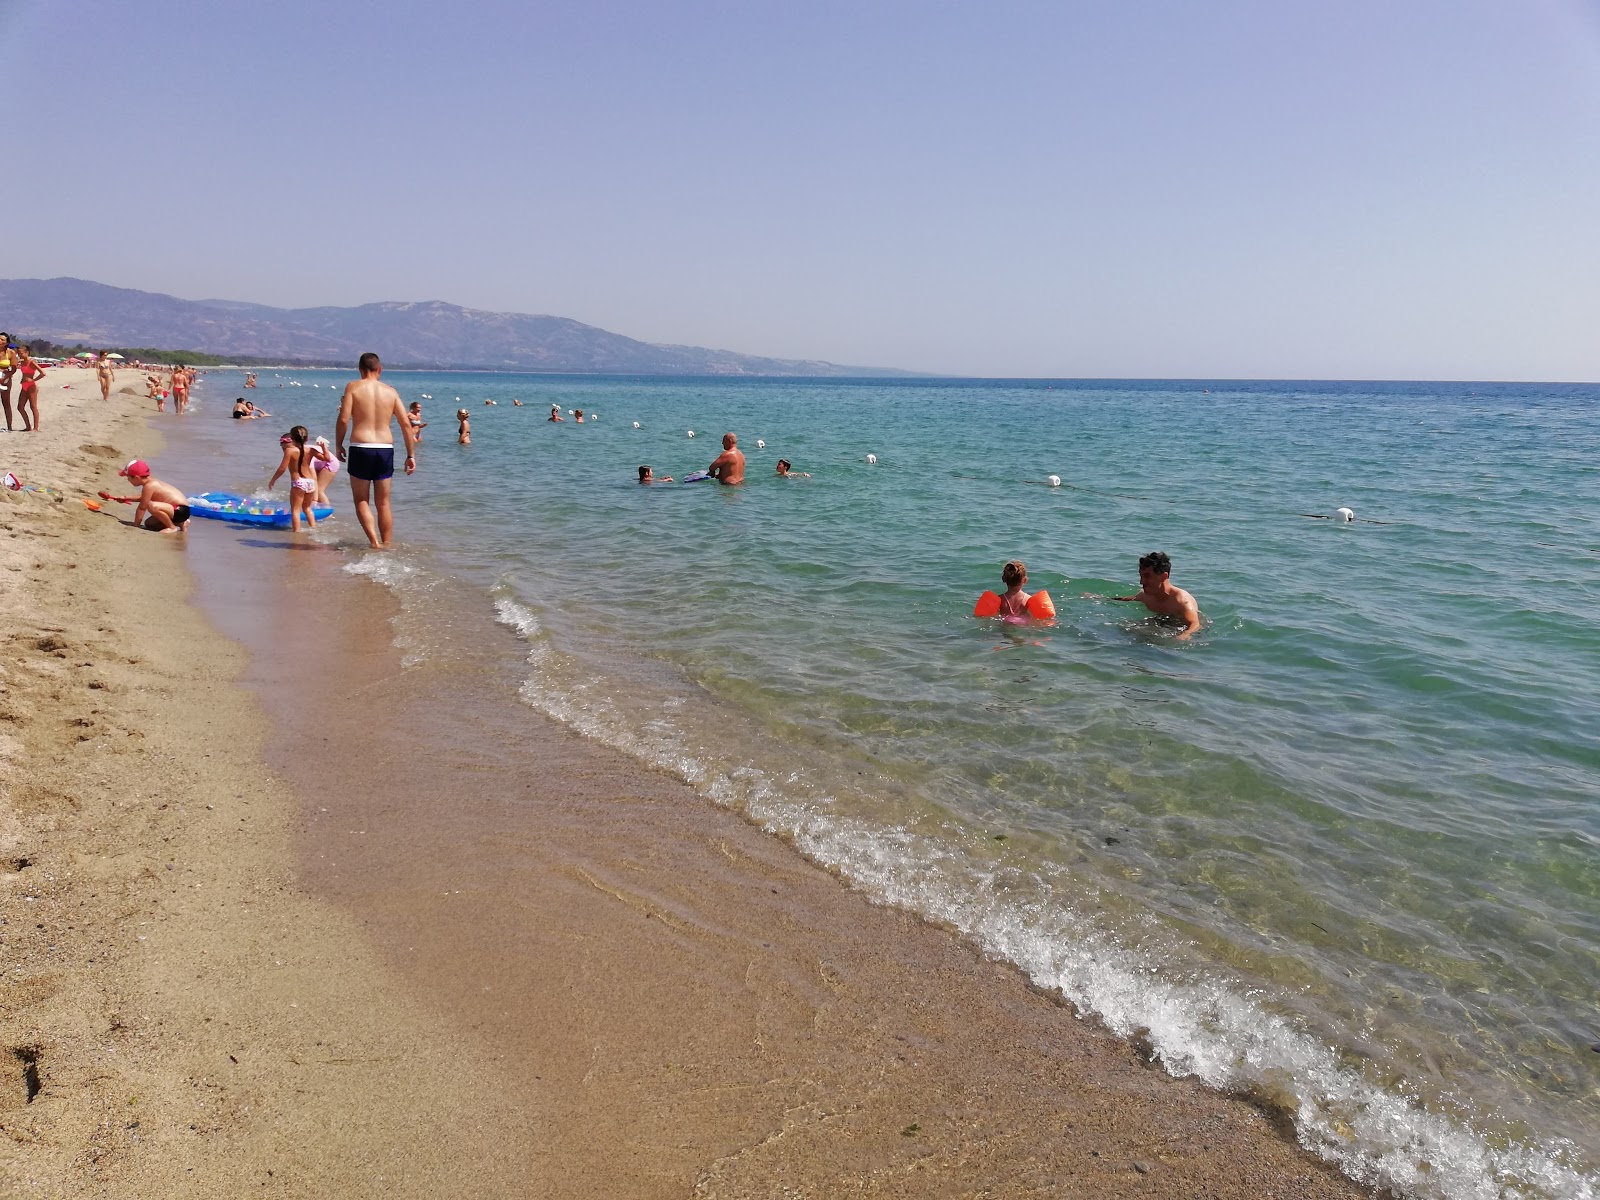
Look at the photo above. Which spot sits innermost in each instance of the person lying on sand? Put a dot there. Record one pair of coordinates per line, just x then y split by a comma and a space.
1158, 595
162, 507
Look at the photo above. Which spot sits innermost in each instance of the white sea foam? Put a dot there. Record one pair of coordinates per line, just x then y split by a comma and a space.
387, 569
395, 573
1213, 1030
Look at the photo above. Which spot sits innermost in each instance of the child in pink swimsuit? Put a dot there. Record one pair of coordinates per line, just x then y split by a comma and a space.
297, 461
326, 467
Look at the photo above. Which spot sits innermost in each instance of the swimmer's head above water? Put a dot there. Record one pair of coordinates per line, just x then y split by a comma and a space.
1156, 563
1014, 574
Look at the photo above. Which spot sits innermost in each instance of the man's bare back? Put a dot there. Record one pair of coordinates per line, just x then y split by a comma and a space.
367, 408
367, 411
729, 465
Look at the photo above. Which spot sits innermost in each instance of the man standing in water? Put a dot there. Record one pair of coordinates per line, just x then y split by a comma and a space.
366, 410
1158, 595
729, 465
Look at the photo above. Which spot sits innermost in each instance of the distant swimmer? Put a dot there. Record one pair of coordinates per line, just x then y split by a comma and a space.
728, 467
414, 416
463, 434
577, 415
646, 475
517, 403
366, 410
555, 413
1158, 595
789, 472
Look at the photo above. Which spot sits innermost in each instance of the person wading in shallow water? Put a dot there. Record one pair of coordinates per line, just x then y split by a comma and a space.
1158, 595
366, 413
728, 466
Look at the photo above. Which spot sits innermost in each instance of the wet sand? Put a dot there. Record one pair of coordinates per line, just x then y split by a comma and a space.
287, 915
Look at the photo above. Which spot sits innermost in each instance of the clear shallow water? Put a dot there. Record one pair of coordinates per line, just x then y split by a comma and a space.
1342, 850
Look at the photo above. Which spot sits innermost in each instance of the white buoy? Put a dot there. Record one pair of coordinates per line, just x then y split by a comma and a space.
691, 433
760, 445
1347, 514
872, 458
636, 425
1053, 480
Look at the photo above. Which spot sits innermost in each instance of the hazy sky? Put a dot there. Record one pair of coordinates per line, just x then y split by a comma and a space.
1244, 188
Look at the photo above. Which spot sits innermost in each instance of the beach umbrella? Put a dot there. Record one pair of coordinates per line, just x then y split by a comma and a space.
84, 354
118, 357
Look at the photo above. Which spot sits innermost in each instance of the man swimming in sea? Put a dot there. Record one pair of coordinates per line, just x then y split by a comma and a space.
728, 467
1158, 595
366, 410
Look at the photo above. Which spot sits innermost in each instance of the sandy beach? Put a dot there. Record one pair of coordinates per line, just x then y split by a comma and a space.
364, 931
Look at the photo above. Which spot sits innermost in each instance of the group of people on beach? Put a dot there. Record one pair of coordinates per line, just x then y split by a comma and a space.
16, 360
17, 365
368, 411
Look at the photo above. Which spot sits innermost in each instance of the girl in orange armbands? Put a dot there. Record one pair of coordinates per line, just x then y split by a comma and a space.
1016, 604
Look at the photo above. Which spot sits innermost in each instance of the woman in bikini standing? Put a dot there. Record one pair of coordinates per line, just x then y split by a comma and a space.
32, 372
103, 368
180, 387
9, 362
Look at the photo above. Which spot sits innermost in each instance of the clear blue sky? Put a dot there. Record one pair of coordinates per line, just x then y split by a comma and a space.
1360, 188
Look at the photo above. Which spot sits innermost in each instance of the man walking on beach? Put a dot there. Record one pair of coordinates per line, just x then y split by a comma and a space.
729, 465
366, 410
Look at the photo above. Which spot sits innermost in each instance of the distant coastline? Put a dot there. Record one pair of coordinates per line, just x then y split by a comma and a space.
434, 335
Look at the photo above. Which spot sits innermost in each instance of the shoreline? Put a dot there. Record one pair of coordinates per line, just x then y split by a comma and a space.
624, 1005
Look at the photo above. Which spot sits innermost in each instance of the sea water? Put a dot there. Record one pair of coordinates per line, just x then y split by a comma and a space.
1340, 851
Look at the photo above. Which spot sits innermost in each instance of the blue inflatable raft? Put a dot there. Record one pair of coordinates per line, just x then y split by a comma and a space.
241, 510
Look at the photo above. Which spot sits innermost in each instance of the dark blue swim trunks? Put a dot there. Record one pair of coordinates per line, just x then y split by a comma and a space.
370, 462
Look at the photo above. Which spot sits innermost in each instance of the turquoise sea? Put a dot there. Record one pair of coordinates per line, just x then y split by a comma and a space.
1341, 851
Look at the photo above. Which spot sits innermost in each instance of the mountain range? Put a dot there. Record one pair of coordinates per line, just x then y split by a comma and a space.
427, 333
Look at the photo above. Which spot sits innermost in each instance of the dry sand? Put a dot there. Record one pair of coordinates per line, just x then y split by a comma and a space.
532, 970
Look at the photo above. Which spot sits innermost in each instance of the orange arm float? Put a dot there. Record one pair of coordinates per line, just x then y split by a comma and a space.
1041, 607
988, 605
